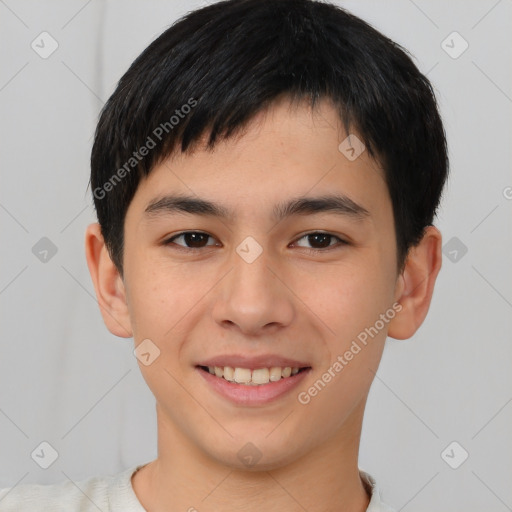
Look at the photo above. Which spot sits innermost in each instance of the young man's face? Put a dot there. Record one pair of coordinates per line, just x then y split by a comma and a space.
254, 285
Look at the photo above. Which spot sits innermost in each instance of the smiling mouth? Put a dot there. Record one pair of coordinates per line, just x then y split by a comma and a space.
256, 377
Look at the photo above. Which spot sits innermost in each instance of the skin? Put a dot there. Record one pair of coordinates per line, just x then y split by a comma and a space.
308, 306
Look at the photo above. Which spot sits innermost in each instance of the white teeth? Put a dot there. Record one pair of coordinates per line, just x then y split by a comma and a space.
254, 377
275, 373
260, 376
242, 375
229, 373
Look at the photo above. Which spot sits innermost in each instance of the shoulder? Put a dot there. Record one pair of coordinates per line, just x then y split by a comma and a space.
96, 493
59, 497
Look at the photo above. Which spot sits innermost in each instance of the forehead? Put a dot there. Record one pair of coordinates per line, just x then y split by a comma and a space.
286, 154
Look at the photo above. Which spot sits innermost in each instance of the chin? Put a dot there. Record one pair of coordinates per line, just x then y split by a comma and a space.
258, 453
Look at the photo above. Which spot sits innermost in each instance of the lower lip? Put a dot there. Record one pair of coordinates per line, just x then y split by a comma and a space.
253, 395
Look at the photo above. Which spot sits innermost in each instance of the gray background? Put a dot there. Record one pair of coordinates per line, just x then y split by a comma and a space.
66, 380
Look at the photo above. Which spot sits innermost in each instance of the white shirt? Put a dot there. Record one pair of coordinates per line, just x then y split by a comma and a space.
112, 493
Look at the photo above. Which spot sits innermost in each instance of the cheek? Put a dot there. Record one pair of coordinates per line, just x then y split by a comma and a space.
159, 295
349, 304
346, 297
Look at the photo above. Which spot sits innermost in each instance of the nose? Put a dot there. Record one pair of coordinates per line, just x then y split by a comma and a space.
254, 297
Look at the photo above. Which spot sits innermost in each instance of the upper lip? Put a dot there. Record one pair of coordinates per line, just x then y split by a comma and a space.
253, 362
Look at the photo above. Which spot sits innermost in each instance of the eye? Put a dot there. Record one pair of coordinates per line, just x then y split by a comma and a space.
195, 240
192, 239
321, 240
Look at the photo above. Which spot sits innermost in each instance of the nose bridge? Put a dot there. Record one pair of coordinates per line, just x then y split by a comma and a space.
251, 274
252, 296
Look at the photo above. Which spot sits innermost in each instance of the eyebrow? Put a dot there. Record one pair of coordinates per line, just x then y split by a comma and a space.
335, 203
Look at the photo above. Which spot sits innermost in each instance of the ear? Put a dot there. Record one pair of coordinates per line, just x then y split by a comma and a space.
415, 285
109, 286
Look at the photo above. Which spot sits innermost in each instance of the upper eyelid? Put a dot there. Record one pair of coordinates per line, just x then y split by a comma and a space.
340, 240
177, 235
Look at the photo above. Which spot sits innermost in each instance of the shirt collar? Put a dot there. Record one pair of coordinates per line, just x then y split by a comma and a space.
376, 504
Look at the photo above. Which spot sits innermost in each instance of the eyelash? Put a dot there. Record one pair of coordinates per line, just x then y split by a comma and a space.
340, 243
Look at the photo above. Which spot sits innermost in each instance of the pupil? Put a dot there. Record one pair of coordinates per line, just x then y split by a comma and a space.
323, 237
194, 238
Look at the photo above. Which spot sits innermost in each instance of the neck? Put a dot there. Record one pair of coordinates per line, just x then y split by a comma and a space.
184, 478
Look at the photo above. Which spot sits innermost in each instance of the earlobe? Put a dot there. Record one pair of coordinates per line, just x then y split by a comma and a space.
109, 287
415, 286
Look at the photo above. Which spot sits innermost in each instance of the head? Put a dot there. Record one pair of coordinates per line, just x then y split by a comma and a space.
267, 121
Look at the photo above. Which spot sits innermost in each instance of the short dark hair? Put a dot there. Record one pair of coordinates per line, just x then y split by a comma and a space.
230, 60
